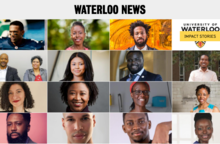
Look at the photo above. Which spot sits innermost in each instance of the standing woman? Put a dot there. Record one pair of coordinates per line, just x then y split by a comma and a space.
78, 35
140, 93
36, 73
79, 68
203, 127
16, 97
202, 94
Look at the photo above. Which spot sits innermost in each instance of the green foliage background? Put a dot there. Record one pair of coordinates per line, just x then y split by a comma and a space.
97, 34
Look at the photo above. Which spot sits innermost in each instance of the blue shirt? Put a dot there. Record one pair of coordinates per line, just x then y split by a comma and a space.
27, 44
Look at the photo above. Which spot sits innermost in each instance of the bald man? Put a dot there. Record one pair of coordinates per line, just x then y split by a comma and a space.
78, 127
7, 73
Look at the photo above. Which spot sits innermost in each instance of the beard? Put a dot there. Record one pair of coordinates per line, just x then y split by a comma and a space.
20, 139
140, 44
134, 71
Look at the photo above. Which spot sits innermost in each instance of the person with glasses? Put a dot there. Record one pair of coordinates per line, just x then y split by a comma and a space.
140, 92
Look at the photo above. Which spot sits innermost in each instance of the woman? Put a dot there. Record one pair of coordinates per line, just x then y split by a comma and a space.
140, 92
78, 95
36, 73
79, 68
16, 97
203, 127
78, 35
202, 93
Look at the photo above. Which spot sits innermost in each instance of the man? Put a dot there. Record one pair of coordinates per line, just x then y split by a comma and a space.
203, 73
16, 40
137, 126
7, 73
135, 62
140, 32
18, 126
78, 127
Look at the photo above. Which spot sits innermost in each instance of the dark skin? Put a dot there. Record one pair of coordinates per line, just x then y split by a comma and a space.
140, 37
204, 62
134, 62
137, 126
140, 100
204, 130
16, 34
3, 61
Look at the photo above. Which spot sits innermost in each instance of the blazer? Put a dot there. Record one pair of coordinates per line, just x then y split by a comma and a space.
149, 48
30, 76
30, 141
12, 74
146, 76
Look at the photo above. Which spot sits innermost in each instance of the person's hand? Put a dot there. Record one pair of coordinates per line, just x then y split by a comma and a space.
161, 135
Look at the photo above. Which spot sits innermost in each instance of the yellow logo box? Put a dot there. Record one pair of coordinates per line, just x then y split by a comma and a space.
199, 36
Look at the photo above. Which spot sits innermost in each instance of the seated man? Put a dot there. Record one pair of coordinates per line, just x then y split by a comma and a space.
78, 127
16, 40
137, 126
18, 126
203, 73
140, 33
135, 63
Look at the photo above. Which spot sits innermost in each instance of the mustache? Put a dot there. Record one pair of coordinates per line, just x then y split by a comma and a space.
78, 132
140, 39
137, 131
15, 133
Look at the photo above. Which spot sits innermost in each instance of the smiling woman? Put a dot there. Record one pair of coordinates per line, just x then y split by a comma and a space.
16, 97
203, 93
78, 35
78, 95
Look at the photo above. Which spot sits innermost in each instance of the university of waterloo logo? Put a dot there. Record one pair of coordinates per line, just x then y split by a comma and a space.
200, 44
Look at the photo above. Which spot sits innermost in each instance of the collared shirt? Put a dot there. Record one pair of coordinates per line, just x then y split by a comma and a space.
200, 75
3, 73
137, 77
145, 48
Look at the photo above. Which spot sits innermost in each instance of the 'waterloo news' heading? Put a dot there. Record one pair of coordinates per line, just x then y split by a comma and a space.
109, 9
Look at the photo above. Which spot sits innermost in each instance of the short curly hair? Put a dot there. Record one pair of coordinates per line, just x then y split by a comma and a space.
136, 24
202, 86
93, 91
5, 103
37, 57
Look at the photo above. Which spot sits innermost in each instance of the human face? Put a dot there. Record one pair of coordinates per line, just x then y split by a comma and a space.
140, 36
78, 127
78, 97
15, 33
36, 64
77, 67
17, 128
3, 60
204, 61
137, 127
134, 62
202, 95
140, 99
204, 130
78, 34
16, 95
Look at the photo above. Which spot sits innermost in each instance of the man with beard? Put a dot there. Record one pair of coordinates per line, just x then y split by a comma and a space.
7, 73
16, 40
18, 126
140, 33
203, 73
137, 126
78, 127
135, 62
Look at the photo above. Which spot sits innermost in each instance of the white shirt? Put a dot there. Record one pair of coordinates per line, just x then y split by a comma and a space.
3, 73
200, 75
145, 48
137, 77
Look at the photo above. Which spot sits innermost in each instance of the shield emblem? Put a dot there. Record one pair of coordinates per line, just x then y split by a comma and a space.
200, 44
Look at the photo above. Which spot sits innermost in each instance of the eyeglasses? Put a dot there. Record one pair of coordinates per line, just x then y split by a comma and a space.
139, 92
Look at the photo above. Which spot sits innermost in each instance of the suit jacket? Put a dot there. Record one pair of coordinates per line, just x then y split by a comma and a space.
12, 74
30, 76
30, 141
146, 76
149, 48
